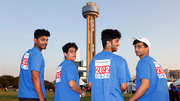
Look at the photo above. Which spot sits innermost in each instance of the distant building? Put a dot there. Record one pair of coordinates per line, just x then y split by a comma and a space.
81, 66
78, 55
172, 74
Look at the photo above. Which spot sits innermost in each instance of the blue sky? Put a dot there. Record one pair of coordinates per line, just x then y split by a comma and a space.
158, 20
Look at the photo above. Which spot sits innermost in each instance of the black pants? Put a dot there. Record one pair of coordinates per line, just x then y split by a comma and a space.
29, 99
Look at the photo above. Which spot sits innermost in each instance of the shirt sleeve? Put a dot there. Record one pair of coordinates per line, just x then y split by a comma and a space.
144, 70
71, 72
35, 62
124, 72
90, 72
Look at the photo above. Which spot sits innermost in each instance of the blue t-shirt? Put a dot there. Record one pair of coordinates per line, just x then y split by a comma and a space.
175, 88
32, 60
148, 68
107, 72
66, 72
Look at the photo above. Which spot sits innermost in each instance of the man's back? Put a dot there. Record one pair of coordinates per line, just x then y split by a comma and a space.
148, 68
107, 72
32, 61
66, 72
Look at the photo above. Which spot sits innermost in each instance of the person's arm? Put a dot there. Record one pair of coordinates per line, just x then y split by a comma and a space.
124, 75
37, 85
123, 87
89, 84
144, 86
174, 89
90, 74
73, 85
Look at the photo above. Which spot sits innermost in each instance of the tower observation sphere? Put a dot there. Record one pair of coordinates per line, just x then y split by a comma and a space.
90, 11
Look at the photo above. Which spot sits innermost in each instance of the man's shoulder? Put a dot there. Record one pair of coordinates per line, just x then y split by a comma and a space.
67, 64
117, 57
113, 57
35, 52
107, 54
31, 53
143, 62
147, 59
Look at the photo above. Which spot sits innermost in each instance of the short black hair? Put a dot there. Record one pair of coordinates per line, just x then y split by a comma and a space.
109, 35
66, 47
171, 84
41, 32
137, 41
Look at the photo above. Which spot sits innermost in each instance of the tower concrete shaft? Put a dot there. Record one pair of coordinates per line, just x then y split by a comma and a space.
91, 39
90, 11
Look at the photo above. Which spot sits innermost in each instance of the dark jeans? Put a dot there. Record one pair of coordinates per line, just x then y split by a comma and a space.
171, 95
29, 99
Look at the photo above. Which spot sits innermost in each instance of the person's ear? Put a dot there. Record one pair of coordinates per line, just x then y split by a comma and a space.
108, 43
65, 54
147, 48
35, 40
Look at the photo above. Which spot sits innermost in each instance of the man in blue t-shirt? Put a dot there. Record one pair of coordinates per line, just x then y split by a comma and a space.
108, 73
176, 91
151, 82
67, 77
31, 78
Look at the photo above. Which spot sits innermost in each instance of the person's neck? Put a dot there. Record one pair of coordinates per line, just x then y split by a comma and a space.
143, 56
70, 60
38, 48
107, 49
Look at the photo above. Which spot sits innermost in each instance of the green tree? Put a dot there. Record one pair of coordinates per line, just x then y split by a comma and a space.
16, 82
4, 82
48, 84
10, 79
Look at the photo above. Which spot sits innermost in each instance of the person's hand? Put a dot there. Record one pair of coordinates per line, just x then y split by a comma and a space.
130, 99
83, 94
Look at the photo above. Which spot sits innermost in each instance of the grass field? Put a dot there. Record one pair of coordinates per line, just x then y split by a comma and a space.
12, 96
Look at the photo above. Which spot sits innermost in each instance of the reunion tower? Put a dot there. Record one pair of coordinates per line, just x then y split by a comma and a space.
90, 11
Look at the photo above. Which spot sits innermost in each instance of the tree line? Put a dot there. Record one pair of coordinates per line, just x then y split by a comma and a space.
8, 80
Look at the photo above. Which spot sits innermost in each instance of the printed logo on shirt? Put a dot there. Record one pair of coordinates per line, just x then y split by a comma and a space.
58, 74
159, 71
24, 64
102, 69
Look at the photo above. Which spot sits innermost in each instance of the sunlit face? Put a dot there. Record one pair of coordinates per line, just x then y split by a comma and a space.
71, 55
114, 44
41, 42
141, 50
